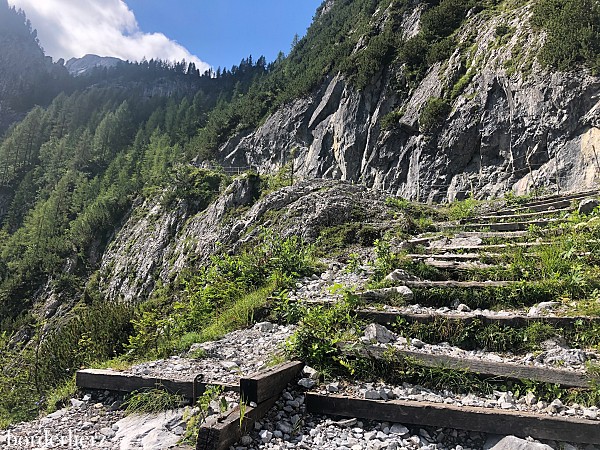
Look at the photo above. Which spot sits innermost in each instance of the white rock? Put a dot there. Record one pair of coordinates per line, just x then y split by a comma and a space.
514, 443
463, 308
506, 397
76, 403
230, 365
265, 436
265, 327
417, 343
333, 387
587, 205
372, 394
309, 372
556, 406
307, 383
541, 307
378, 333
530, 399
399, 429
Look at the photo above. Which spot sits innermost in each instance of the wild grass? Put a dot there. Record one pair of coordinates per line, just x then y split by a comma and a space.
59, 396
152, 401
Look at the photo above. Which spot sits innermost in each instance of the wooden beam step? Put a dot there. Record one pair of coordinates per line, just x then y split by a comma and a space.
478, 366
507, 235
262, 385
484, 420
452, 256
111, 380
458, 284
457, 265
384, 317
485, 247
512, 226
516, 320
226, 430
551, 201
528, 215
262, 389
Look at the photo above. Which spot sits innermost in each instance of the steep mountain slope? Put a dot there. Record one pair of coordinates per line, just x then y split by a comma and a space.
27, 77
485, 112
107, 223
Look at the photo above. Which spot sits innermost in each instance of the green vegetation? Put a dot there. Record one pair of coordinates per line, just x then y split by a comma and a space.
326, 340
475, 334
434, 114
572, 32
195, 421
219, 298
152, 401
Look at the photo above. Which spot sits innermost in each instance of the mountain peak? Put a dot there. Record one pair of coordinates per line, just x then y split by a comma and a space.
80, 66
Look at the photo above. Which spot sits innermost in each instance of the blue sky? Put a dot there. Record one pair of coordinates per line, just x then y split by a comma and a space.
222, 32
209, 33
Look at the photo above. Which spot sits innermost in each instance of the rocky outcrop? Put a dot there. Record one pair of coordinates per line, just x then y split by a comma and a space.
158, 241
512, 125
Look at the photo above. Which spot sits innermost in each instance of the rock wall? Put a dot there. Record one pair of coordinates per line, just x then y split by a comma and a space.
158, 241
508, 129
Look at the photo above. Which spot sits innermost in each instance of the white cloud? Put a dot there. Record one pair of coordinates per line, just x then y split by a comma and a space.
73, 28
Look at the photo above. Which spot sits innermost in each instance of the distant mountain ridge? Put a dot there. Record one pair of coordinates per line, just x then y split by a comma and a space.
81, 66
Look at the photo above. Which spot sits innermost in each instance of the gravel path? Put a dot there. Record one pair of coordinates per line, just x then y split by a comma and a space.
237, 354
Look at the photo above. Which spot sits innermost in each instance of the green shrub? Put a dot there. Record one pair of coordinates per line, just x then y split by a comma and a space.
461, 84
391, 119
573, 35
434, 114
221, 297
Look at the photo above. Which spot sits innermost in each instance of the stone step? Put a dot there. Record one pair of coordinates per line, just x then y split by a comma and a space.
386, 317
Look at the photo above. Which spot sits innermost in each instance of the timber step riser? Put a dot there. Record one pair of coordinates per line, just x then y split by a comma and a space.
480, 367
526, 215
517, 321
511, 226
490, 421
551, 201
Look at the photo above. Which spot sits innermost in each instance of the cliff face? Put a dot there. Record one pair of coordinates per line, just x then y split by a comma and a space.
511, 125
157, 242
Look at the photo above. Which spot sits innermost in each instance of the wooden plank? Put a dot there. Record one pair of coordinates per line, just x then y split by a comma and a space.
103, 379
262, 385
493, 234
453, 256
228, 429
524, 215
487, 246
555, 201
479, 366
458, 284
384, 317
517, 320
457, 265
511, 226
485, 420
